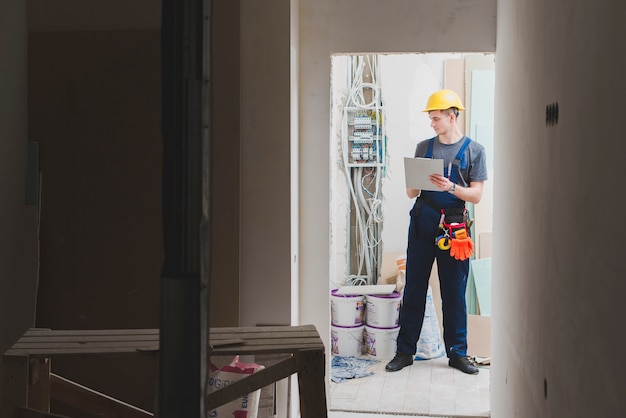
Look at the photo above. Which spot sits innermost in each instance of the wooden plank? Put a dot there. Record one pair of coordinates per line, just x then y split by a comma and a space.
111, 351
263, 329
39, 384
263, 349
43, 343
52, 338
260, 335
20, 345
273, 332
94, 332
312, 385
14, 384
227, 342
87, 345
266, 335
89, 400
155, 331
278, 342
231, 347
271, 403
302, 342
250, 383
246, 340
86, 351
32, 413
153, 334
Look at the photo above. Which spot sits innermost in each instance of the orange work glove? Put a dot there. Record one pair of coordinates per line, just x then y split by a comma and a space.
455, 248
469, 248
461, 249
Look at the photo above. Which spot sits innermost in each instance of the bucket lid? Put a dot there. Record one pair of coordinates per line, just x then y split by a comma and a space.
392, 295
334, 293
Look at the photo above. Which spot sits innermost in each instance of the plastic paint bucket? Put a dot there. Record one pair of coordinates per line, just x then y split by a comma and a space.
346, 341
380, 343
346, 310
383, 311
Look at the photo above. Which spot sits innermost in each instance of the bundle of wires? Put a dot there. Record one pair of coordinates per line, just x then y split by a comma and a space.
365, 181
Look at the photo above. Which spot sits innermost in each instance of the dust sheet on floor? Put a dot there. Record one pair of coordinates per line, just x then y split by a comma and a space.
345, 368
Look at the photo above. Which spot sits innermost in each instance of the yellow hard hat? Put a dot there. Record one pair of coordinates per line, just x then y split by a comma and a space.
442, 100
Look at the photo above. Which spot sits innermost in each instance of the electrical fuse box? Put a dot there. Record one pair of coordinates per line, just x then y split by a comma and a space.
363, 137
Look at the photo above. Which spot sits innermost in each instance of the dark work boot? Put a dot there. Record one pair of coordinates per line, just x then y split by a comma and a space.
464, 364
400, 361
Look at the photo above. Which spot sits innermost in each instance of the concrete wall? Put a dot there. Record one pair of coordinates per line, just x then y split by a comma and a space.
265, 246
99, 128
558, 267
120, 15
95, 109
225, 164
18, 221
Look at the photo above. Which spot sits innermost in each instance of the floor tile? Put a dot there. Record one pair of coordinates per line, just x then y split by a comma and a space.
427, 388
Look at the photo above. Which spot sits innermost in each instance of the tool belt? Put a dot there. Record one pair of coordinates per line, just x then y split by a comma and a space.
449, 216
456, 222
455, 225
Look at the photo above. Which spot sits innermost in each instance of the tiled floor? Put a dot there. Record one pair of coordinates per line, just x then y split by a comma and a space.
427, 388
335, 414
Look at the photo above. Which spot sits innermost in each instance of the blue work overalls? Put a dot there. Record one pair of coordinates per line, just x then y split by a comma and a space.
421, 253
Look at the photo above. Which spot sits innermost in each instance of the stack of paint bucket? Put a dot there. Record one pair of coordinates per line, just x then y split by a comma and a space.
346, 331
382, 324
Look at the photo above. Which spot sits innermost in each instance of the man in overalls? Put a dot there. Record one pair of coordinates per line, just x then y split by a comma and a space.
462, 181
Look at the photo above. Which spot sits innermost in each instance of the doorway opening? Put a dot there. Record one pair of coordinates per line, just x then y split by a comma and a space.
376, 121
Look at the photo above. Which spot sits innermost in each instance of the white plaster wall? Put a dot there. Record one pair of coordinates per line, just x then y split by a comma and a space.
328, 27
557, 340
406, 81
265, 228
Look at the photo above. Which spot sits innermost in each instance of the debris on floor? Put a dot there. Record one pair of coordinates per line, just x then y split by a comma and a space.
344, 368
482, 361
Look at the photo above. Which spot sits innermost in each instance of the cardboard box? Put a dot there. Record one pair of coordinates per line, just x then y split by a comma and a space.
479, 336
389, 268
485, 244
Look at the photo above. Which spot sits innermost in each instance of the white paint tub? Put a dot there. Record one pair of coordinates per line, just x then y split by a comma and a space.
383, 311
347, 341
380, 343
346, 310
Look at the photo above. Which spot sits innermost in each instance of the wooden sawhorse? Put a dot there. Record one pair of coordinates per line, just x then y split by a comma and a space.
28, 385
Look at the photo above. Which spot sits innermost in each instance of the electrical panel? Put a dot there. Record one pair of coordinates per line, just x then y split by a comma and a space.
363, 137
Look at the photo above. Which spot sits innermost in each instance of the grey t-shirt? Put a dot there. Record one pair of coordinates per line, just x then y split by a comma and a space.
476, 169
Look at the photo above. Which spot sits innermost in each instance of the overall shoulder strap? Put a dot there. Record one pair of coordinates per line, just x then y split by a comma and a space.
460, 156
429, 151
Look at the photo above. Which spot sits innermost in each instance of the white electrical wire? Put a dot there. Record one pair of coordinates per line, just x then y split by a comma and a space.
358, 98
368, 210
